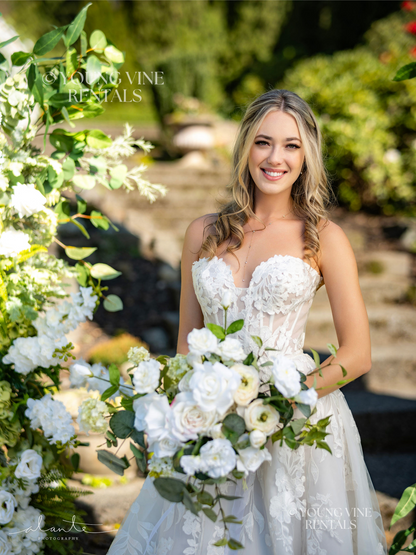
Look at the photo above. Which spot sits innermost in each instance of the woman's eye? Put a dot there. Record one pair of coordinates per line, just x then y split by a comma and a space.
295, 146
261, 143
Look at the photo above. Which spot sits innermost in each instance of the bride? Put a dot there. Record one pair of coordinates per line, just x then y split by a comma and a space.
272, 246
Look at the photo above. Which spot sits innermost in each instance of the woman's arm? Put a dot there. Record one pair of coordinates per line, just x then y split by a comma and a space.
190, 314
339, 268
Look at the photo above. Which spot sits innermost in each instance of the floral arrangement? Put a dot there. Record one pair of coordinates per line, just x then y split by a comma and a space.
37, 193
203, 418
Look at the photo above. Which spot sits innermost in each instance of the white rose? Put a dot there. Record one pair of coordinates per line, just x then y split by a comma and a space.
231, 349
166, 447
188, 418
250, 459
191, 464
141, 407
261, 417
29, 466
307, 397
158, 419
216, 432
27, 200
7, 506
257, 439
12, 242
286, 376
193, 358
218, 458
146, 376
250, 383
183, 385
227, 299
79, 372
213, 386
202, 342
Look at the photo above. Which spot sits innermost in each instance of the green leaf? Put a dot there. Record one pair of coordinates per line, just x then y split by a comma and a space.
218, 331
332, 349
249, 359
210, 514
98, 139
205, 498
406, 72
136, 452
98, 40
400, 538
48, 41
122, 423
61, 140
20, 58
114, 55
229, 497
80, 227
68, 168
63, 209
79, 253
9, 41
316, 358
109, 392
138, 437
118, 176
114, 374
234, 544
221, 542
324, 445
71, 61
257, 340
84, 44
82, 276
75, 458
232, 520
406, 504
104, 271
170, 489
113, 303
84, 181
98, 220
235, 326
235, 424
344, 372
297, 425
81, 205
93, 69
65, 113
75, 28
112, 462
304, 409
189, 504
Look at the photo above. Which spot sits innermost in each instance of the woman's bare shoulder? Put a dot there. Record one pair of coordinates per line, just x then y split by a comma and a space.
333, 240
198, 230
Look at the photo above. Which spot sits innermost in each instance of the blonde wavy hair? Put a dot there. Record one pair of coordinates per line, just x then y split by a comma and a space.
311, 192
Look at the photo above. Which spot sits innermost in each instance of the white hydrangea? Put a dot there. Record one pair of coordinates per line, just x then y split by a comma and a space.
12, 242
160, 467
91, 416
29, 466
8, 505
26, 533
52, 416
27, 353
26, 200
136, 355
286, 376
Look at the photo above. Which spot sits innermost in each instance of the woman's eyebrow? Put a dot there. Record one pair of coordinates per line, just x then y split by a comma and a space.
287, 139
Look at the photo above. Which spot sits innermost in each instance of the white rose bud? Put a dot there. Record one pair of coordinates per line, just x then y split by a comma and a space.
146, 376
261, 417
227, 299
257, 439
250, 383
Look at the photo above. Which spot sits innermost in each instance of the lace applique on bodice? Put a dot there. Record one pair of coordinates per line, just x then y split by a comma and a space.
275, 305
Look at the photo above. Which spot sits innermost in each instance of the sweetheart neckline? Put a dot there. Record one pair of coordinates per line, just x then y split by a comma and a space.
258, 266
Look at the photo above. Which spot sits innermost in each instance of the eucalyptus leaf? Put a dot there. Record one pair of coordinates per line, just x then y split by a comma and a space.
113, 303
84, 181
75, 28
93, 69
98, 139
20, 58
98, 40
48, 41
104, 271
122, 423
79, 253
170, 489
112, 462
68, 167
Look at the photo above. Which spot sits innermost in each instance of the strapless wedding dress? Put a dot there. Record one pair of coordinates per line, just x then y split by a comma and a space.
303, 502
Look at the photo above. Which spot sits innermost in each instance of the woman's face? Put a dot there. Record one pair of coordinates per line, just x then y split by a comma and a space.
277, 154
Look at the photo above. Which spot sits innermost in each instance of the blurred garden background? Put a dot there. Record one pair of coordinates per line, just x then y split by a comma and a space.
191, 67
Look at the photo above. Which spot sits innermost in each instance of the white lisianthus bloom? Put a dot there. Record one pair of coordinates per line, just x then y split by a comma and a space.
202, 342
12, 242
7, 506
218, 458
27, 200
183, 385
165, 447
29, 466
286, 376
257, 439
307, 397
193, 358
141, 407
213, 386
250, 383
146, 376
79, 372
261, 417
136, 355
250, 459
227, 299
231, 349
188, 420
216, 432
191, 464
158, 419
4, 544
91, 416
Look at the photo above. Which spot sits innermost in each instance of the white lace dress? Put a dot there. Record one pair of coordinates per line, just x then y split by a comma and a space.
303, 502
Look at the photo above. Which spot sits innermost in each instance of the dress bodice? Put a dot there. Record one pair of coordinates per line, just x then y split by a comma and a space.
275, 305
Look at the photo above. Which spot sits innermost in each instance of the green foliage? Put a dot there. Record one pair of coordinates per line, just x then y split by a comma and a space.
368, 120
114, 350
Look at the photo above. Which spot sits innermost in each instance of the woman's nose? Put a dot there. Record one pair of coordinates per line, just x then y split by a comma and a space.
275, 156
